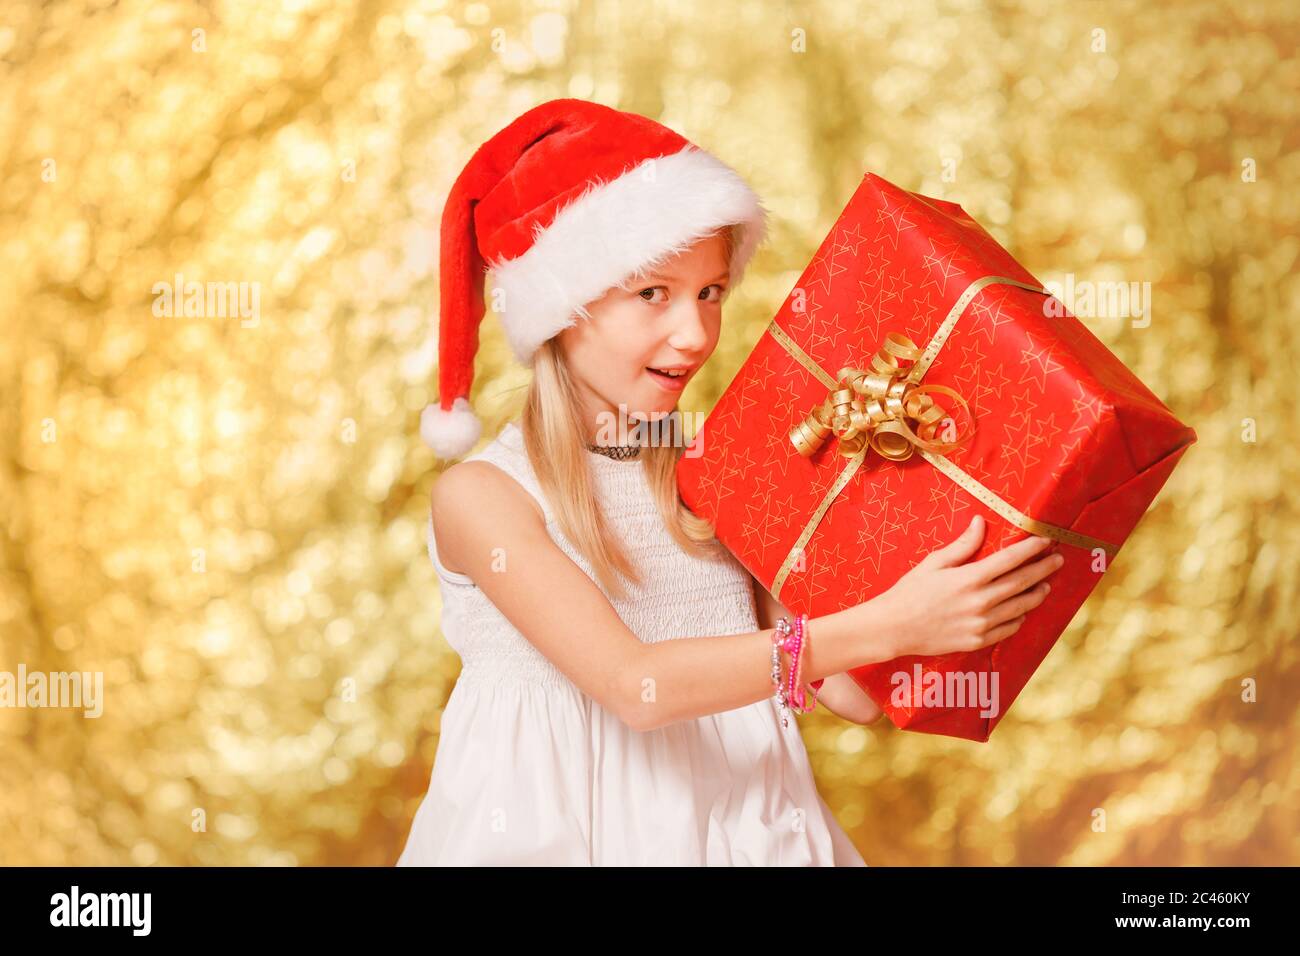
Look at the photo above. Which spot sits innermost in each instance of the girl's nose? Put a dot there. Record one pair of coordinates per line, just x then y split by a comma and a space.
690, 327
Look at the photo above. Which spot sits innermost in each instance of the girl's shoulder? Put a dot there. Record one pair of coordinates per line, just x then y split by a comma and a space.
474, 501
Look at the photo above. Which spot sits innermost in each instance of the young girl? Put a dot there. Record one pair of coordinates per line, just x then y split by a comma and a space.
616, 703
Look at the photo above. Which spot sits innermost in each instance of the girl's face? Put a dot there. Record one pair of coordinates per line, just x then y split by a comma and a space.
669, 318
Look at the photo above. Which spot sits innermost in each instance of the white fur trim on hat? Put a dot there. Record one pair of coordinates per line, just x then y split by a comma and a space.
618, 228
450, 433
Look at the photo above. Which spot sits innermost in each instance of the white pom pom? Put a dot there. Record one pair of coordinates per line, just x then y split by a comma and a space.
450, 434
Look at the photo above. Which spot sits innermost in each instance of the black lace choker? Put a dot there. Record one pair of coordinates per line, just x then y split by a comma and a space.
617, 452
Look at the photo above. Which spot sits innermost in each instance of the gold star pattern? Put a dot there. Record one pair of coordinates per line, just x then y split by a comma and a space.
805, 583
904, 518
1000, 533
823, 269
1038, 363
813, 587
761, 372
742, 462
1043, 430
859, 584
711, 479
892, 221
857, 355
872, 311
795, 322
971, 356
778, 434
1088, 409
972, 385
842, 509
872, 501
1067, 453
798, 323
894, 285
946, 499
852, 239
785, 511
790, 370
871, 269
1022, 409
756, 532
778, 458
815, 339
762, 484
829, 465
831, 332
927, 540
727, 483
876, 540
986, 316
993, 380
731, 407
922, 317
976, 468
782, 399
830, 558
1016, 458
939, 268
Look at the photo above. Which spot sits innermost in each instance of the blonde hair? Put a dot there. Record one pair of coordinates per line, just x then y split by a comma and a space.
555, 439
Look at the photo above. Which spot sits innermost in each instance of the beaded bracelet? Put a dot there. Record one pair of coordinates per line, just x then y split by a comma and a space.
795, 647
797, 685
778, 642
791, 638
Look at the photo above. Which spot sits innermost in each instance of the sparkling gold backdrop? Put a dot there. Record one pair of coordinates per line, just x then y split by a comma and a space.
223, 510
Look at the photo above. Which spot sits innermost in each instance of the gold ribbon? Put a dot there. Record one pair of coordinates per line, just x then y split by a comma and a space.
887, 410
878, 408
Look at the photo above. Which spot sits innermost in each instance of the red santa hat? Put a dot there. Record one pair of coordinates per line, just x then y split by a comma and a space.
562, 205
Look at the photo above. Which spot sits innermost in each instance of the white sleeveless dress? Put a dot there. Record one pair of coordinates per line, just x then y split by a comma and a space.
531, 771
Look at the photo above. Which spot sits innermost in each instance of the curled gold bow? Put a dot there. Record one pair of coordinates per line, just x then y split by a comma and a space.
883, 408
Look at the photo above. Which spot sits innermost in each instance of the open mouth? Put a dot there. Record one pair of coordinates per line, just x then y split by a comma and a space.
670, 381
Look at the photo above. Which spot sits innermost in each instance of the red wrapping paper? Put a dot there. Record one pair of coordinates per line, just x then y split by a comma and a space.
1063, 433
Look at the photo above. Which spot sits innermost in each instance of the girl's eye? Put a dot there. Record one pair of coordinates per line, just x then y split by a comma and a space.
704, 293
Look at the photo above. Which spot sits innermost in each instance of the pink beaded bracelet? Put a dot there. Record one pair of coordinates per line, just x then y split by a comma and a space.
792, 639
796, 684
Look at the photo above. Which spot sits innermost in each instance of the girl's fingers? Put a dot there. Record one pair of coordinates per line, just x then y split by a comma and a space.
1022, 578
1003, 631
1019, 605
960, 549
1012, 556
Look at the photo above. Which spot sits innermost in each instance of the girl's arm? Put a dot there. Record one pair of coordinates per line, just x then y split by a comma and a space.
488, 527
840, 693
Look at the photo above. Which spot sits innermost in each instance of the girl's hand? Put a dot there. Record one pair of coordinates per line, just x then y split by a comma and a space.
943, 605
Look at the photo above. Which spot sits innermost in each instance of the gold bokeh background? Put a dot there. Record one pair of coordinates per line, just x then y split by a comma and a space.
227, 517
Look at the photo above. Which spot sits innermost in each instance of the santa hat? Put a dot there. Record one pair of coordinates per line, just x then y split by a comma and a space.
565, 203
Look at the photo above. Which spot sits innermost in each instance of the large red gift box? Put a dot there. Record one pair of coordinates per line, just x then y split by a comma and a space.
918, 375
